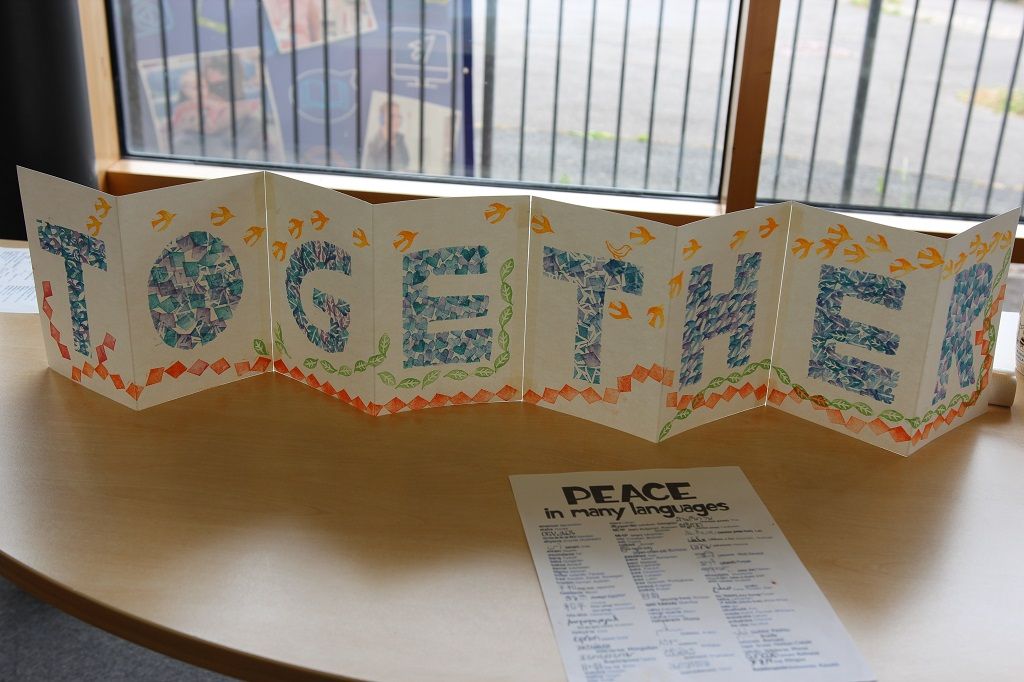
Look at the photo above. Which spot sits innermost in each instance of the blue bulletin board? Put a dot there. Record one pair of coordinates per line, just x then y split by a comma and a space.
402, 66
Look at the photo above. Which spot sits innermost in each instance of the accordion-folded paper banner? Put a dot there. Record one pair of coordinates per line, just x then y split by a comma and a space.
882, 334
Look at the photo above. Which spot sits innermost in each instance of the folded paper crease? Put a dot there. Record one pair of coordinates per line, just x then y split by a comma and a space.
882, 334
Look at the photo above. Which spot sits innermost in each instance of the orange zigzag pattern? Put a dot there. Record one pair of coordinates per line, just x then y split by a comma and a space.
709, 400
898, 433
624, 384
156, 374
879, 427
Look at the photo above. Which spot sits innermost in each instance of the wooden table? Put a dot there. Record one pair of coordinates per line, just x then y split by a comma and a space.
264, 530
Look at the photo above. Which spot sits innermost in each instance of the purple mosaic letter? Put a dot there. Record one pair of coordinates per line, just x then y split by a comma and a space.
194, 287
709, 316
423, 348
971, 289
830, 327
306, 258
76, 249
592, 277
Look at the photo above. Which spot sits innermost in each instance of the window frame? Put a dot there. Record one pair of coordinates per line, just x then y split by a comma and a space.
757, 28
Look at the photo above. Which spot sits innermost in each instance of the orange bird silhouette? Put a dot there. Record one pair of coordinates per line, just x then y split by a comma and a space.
642, 233
691, 249
360, 238
253, 234
737, 238
496, 212
540, 224
675, 285
856, 253
767, 229
221, 216
656, 316
802, 247
279, 250
404, 241
319, 220
164, 218
620, 311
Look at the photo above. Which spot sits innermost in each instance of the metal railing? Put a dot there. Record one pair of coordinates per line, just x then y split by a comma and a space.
651, 117
912, 106
905, 105
220, 80
290, 82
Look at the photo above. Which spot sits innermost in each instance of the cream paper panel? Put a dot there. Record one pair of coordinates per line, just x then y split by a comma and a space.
601, 357
197, 285
877, 287
450, 301
321, 241
81, 224
723, 302
973, 276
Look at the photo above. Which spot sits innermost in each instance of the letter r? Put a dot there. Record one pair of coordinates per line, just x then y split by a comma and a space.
971, 290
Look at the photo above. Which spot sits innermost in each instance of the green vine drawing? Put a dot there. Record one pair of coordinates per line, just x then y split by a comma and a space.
260, 346
892, 416
733, 378
484, 371
383, 344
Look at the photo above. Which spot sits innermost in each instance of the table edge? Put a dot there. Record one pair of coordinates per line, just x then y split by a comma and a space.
167, 641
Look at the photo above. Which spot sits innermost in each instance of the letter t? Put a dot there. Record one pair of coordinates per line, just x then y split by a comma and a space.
76, 249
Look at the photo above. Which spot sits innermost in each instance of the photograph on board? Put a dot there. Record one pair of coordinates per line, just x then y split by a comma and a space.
208, 91
309, 21
404, 137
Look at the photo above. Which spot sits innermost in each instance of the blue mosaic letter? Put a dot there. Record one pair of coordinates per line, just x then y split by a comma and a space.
423, 348
592, 278
709, 316
971, 290
318, 255
76, 249
830, 327
194, 287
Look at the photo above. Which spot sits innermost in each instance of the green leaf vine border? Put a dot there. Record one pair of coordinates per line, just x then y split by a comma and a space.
893, 416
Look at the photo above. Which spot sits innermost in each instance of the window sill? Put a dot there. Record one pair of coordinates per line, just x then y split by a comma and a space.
128, 176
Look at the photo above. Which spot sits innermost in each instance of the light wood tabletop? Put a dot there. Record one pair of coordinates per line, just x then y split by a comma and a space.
265, 530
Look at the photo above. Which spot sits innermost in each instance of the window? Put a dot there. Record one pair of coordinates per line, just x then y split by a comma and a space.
902, 106
906, 105
608, 94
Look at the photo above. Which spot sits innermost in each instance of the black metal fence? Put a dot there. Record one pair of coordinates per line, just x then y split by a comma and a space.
911, 106
897, 104
625, 95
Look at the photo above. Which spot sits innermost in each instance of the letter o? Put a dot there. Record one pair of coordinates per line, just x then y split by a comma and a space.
194, 287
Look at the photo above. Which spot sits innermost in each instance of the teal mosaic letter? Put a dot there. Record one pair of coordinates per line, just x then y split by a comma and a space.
423, 348
194, 287
709, 316
319, 255
76, 249
971, 289
592, 277
830, 327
